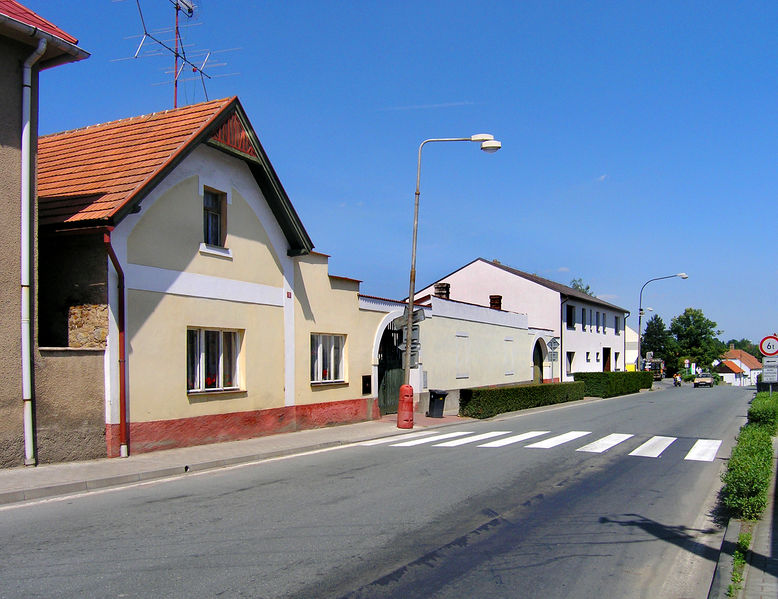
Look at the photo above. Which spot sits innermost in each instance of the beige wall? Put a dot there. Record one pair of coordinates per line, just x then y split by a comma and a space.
70, 409
459, 354
330, 305
11, 435
157, 325
170, 230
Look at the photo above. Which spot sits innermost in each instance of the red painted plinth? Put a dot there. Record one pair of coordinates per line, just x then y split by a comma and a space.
405, 407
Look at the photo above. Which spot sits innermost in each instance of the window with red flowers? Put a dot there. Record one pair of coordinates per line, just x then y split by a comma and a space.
327, 358
212, 359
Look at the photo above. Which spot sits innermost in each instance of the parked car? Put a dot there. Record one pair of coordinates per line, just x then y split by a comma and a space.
704, 379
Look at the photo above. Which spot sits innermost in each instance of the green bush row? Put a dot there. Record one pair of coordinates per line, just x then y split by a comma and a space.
610, 384
748, 473
764, 411
488, 402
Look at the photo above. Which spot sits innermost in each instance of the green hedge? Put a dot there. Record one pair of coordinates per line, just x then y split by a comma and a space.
610, 384
488, 402
748, 472
764, 411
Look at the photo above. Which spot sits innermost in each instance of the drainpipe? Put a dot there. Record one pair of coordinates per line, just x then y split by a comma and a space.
120, 317
26, 252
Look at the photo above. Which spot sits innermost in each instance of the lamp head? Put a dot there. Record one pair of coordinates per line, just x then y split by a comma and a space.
683, 275
482, 137
490, 146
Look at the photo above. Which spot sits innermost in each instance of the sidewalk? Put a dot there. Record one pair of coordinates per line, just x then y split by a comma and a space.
49, 480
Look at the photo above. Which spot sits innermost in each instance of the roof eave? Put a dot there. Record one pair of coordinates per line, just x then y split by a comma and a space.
68, 52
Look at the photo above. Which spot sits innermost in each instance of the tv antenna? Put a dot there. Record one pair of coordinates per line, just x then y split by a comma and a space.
178, 49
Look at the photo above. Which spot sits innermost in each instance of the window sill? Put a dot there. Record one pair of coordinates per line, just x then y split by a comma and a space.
329, 383
219, 392
216, 251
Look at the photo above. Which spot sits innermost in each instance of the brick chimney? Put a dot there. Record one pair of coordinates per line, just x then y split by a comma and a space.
442, 290
495, 302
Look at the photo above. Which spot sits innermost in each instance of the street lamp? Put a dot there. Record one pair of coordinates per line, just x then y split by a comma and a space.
681, 275
488, 145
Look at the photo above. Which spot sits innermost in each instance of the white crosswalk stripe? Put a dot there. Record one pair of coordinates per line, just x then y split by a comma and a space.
604, 444
514, 439
559, 440
473, 439
654, 447
704, 450
432, 439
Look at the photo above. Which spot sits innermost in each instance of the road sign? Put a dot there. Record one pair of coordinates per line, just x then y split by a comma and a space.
769, 346
770, 370
554, 344
553, 356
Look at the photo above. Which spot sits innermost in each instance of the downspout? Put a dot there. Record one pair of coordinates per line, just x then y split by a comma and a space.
627, 314
26, 252
561, 343
120, 317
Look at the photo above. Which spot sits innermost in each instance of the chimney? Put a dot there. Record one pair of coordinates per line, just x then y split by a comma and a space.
495, 302
731, 346
442, 290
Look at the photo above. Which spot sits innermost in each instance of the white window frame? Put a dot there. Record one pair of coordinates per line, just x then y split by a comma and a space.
199, 376
333, 348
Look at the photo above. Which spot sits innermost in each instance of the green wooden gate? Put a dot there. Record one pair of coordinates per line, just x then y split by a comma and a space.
390, 369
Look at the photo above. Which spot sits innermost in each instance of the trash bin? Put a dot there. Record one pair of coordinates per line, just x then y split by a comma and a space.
437, 401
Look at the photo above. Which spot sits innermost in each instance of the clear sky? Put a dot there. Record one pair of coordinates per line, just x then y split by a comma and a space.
639, 138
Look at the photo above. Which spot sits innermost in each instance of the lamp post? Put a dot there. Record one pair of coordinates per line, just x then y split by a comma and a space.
681, 275
488, 145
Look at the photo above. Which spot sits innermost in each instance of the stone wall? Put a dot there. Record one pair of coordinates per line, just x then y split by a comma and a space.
88, 325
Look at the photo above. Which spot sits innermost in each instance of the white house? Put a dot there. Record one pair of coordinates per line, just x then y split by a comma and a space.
738, 367
589, 331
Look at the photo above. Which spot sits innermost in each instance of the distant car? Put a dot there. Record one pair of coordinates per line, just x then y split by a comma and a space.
704, 379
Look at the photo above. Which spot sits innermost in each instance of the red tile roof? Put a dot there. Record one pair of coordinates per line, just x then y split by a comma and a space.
16, 11
90, 174
730, 366
745, 358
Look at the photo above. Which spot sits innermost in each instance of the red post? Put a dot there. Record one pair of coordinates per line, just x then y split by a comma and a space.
405, 407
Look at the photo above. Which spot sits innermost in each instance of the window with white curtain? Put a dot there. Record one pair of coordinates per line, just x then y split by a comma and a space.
212, 359
327, 358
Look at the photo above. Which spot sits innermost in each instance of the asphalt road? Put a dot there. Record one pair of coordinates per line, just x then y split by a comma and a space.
465, 519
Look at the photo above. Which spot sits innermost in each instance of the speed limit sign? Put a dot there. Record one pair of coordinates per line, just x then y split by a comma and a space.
769, 346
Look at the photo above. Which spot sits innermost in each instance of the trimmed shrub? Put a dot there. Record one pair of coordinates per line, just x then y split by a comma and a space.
610, 384
488, 402
748, 473
764, 411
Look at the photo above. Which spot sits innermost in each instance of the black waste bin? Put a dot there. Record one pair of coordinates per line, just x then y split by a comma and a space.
437, 401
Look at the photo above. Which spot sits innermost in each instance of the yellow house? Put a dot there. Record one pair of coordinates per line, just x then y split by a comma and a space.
171, 246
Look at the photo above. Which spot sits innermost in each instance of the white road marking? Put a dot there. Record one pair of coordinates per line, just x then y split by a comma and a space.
654, 447
559, 439
431, 439
704, 450
396, 438
604, 444
514, 439
473, 439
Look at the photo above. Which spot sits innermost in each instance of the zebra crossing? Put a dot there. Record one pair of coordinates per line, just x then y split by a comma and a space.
703, 450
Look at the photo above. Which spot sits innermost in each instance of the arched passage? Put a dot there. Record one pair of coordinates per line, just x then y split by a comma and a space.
538, 355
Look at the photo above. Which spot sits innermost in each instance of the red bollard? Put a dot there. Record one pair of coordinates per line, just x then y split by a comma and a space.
405, 407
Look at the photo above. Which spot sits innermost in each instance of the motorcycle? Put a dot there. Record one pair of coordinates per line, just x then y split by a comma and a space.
676, 381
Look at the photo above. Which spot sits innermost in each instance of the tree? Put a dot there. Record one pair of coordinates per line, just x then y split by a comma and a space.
581, 286
656, 338
695, 336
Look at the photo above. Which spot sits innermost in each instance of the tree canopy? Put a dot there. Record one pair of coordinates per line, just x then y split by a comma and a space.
695, 336
747, 346
581, 286
657, 339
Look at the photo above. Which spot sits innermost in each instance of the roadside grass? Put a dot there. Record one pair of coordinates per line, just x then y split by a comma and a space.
739, 562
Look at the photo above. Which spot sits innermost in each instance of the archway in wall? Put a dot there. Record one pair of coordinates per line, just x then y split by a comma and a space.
537, 362
390, 368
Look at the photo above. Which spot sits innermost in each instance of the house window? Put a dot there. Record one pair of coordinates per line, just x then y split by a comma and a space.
583, 319
604, 323
598, 322
569, 362
462, 344
327, 358
598, 356
214, 218
211, 360
616, 359
588, 356
617, 325
590, 320
509, 345
570, 317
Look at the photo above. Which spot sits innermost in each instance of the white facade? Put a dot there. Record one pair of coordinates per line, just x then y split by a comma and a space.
596, 345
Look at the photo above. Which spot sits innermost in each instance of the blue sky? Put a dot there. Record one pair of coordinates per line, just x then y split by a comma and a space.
639, 138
